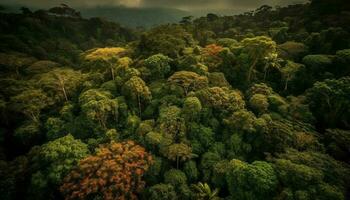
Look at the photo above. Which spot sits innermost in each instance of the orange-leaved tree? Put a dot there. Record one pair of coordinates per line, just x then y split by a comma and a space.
211, 55
115, 172
212, 50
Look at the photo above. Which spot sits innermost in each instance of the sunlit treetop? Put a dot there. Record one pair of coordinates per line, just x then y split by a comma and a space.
105, 54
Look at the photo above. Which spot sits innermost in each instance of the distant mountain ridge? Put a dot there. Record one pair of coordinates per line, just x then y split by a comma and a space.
135, 17
130, 17
148, 17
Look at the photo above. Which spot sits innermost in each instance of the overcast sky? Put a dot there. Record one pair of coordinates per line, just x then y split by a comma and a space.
180, 4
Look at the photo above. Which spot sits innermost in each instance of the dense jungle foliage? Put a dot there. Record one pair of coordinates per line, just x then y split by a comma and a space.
248, 107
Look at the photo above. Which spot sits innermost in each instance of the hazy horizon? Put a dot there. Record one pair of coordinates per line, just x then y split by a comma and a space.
195, 6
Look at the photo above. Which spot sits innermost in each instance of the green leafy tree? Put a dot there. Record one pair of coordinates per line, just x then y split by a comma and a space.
99, 106
207, 163
289, 71
186, 20
65, 10
227, 42
155, 171
316, 64
292, 50
41, 66
272, 62
137, 90
191, 108
191, 63
15, 63
260, 88
201, 137
145, 127
13, 173
153, 138
178, 180
171, 123
53, 161
179, 152
299, 109
242, 121
169, 40
258, 48
342, 60
316, 175
337, 143
259, 103
30, 103
159, 65
189, 81
310, 174
237, 146
162, 192
112, 135
297, 175
132, 124
251, 181
278, 104
191, 171
221, 99
219, 173
343, 56
124, 71
329, 101
55, 128
217, 79
104, 58
28, 133
175, 177
61, 83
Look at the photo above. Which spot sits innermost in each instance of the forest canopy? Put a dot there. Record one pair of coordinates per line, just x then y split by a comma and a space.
254, 106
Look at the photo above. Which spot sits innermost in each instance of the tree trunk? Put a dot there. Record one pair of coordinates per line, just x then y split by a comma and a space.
17, 73
102, 123
112, 72
139, 102
64, 93
265, 73
61, 83
34, 118
177, 162
252, 67
286, 85
185, 90
116, 115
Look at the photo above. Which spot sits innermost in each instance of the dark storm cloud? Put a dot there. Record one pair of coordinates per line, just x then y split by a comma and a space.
182, 4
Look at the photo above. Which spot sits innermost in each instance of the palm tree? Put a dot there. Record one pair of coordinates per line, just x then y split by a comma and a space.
203, 192
272, 61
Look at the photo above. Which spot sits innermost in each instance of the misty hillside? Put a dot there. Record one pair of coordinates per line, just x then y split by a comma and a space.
136, 17
130, 17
